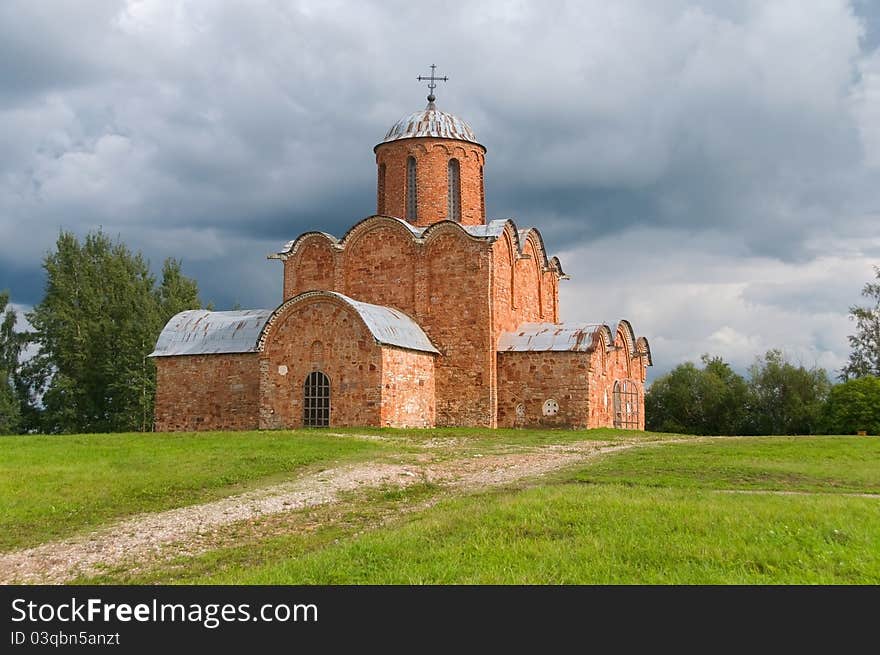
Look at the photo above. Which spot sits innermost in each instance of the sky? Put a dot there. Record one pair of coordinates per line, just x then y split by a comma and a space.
708, 170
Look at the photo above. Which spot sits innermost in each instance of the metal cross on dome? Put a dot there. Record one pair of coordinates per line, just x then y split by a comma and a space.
432, 82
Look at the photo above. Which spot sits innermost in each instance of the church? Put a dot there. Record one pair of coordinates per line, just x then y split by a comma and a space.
424, 314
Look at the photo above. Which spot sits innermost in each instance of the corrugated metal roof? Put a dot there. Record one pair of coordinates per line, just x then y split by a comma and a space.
575, 337
200, 332
431, 122
390, 326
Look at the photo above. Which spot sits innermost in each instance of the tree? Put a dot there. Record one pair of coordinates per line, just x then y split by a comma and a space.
10, 350
99, 319
690, 400
177, 292
785, 399
853, 406
864, 358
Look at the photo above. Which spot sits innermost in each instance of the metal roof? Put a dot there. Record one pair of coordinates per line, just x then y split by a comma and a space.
389, 326
200, 332
573, 337
431, 122
492, 230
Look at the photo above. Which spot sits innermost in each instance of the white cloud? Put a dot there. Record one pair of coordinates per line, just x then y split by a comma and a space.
866, 105
691, 295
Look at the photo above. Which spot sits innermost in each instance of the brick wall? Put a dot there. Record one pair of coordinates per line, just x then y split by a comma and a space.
606, 369
462, 291
432, 160
531, 378
378, 265
207, 392
312, 267
407, 388
320, 334
444, 285
457, 317
522, 291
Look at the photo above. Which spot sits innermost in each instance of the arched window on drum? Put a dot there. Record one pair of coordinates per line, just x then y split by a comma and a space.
411, 190
453, 179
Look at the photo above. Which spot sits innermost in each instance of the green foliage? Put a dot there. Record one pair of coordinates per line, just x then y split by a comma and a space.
853, 406
778, 398
100, 317
690, 400
785, 399
177, 293
864, 358
11, 343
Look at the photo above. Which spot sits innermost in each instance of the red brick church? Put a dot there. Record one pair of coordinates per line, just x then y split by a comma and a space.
424, 314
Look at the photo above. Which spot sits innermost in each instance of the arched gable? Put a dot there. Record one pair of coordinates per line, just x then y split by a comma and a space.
378, 263
529, 291
292, 247
643, 348
505, 253
451, 262
531, 235
386, 325
364, 226
624, 328
311, 264
448, 227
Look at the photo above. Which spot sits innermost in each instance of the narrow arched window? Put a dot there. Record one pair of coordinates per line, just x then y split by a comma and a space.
453, 181
380, 191
626, 405
316, 400
482, 197
411, 189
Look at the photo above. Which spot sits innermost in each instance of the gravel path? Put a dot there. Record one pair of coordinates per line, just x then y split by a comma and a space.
142, 537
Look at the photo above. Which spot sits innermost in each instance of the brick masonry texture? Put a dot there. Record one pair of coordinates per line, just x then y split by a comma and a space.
529, 379
407, 388
463, 291
207, 392
606, 368
432, 160
581, 384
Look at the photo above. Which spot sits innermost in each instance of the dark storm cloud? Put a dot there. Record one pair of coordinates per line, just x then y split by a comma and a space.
733, 132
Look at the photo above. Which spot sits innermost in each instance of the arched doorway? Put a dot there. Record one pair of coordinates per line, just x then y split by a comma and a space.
626, 405
316, 400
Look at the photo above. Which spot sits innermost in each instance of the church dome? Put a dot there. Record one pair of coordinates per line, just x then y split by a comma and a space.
431, 122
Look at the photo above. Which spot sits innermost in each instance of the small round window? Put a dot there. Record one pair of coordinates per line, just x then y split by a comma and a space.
551, 407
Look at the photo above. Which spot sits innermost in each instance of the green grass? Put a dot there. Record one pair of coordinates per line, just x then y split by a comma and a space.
55, 486
827, 464
575, 533
661, 514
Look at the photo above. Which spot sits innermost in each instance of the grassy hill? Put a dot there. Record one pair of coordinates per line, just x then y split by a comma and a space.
720, 510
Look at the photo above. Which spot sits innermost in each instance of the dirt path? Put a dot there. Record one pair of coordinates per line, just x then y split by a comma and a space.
142, 537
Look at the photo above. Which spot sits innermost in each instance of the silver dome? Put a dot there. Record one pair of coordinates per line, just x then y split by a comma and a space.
431, 122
